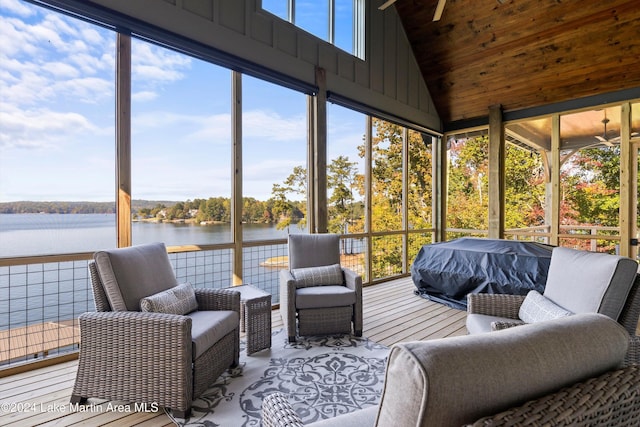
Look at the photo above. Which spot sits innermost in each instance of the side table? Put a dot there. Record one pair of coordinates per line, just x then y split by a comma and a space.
255, 317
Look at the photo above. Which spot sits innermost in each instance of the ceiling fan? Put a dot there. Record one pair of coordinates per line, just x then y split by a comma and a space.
605, 136
436, 16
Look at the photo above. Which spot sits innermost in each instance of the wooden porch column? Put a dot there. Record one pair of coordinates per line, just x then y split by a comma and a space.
626, 182
123, 140
496, 173
320, 154
439, 172
236, 178
554, 225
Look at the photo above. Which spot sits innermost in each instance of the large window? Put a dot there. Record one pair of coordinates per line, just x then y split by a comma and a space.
274, 160
181, 148
590, 179
468, 185
527, 180
56, 134
419, 191
339, 22
345, 181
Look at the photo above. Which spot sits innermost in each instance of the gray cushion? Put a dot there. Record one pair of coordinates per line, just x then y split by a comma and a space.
589, 282
537, 308
318, 276
457, 380
130, 274
177, 300
324, 296
310, 250
209, 326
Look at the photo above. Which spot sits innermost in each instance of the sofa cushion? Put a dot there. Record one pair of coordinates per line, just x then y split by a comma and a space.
589, 282
209, 326
458, 380
324, 296
537, 308
130, 274
318, 276
177, 300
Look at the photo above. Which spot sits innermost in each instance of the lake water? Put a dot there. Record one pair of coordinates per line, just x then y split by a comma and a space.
33, 296
46, 234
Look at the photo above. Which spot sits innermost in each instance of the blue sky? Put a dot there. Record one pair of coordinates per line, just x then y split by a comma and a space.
57, 103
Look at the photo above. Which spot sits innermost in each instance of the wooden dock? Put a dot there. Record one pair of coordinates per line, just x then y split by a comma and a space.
37, 340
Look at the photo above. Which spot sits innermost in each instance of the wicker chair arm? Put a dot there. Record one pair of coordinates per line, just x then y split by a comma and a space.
135, 356
501, 305
609, 399
498, 326
218, 299
287, 303
127, 328
633, 354
278, 412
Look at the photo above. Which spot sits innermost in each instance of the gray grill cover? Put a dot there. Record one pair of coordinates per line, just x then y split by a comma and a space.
446, 272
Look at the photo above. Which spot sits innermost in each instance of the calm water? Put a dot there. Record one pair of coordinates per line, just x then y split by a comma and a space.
44, 234
25, 299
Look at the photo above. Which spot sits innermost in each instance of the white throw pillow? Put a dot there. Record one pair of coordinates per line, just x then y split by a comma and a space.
318, 276
178, 300
536, 308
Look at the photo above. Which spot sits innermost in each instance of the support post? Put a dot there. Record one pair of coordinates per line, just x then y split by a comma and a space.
496, 173
123, 140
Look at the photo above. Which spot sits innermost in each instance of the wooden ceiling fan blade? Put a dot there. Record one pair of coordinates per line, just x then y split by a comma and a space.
386, 4
439, 9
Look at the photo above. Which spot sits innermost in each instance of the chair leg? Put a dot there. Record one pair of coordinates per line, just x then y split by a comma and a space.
182, 414
292, 339
358, 333
75, 399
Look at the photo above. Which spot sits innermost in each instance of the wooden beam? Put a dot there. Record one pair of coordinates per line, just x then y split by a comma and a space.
123, 140
236, 193
553, 211
320, 153
626, 182
496, 173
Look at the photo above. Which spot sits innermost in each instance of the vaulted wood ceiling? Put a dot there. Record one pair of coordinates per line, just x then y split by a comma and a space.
522, 53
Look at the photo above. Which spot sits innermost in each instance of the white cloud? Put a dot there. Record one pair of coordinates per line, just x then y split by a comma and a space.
144, 96
16, 7
41, 128
273, 127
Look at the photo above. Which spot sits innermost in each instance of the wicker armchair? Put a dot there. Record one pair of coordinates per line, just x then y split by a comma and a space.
317, 295
152, 357
620, 296
543, 374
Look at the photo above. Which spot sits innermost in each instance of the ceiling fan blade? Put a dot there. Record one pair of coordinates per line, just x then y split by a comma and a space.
439, 10
386, 4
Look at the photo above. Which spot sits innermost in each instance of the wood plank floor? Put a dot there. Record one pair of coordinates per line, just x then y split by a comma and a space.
392, 313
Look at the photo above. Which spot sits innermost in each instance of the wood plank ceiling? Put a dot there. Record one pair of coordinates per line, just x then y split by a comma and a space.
522, 53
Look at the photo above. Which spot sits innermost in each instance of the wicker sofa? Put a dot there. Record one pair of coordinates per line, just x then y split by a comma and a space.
152, 357
548, 373
578, 282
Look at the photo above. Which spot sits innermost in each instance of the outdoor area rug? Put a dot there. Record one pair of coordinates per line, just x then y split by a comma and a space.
323, 377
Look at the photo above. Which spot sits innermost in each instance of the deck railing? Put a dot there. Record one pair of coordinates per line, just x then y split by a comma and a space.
41, 297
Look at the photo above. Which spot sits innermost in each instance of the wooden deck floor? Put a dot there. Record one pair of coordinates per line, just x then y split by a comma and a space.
392, 313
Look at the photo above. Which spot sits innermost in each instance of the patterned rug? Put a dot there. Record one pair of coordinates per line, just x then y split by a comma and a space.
323, 377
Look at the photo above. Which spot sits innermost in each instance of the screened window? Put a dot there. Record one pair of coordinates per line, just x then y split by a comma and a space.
180, 148
57, 134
